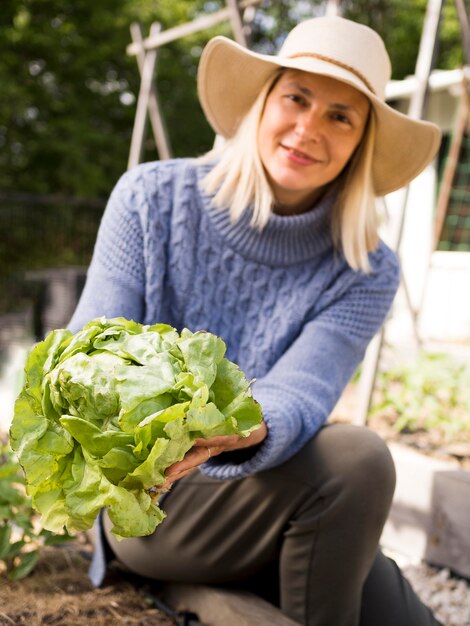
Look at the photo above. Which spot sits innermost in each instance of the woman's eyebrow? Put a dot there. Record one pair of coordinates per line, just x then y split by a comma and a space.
343, 107
305, 90
340, 106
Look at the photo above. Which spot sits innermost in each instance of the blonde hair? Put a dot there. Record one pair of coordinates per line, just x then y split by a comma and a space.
355, 221
238, 180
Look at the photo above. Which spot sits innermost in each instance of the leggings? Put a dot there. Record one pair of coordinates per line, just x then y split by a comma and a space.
303, 535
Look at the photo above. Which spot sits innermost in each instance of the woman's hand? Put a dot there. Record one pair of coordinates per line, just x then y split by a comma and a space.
204, 449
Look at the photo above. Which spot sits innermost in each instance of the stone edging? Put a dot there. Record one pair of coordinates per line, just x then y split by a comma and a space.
430, 515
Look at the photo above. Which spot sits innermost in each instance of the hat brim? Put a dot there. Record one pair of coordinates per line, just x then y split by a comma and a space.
230, 77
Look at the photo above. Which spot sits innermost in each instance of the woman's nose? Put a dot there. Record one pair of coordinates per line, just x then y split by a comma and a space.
309, 125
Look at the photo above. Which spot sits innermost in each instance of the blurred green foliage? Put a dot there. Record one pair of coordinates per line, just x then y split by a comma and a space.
68, 92
431, 392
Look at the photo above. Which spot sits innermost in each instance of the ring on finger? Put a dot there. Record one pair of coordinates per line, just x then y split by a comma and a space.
209, 453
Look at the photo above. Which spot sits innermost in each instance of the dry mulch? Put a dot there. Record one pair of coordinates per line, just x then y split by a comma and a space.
59, 593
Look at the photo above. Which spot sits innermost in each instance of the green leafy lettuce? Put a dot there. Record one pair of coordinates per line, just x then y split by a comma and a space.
103, 412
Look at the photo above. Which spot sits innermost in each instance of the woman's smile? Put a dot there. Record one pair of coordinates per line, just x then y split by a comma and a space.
298, 157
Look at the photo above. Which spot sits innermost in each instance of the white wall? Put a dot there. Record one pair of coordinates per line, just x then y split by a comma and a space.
438, 282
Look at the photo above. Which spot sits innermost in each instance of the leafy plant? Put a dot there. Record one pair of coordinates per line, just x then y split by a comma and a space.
21, 536
104, 412
432, 392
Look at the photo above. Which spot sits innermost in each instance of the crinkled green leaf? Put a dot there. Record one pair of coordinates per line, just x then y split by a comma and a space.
153, 426
229, 383
105, 411
208, 421
28, 425
150, 472
55, 441
143, 349
85, 385
133, 514
92, 438
118, 462
41, 360
244, 410
202, 352
51, 505
129, 420
138, 383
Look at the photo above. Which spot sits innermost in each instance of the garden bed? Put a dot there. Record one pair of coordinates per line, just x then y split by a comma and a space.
59, 593
422, 404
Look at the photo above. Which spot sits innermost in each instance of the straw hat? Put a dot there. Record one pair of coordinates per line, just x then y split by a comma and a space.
230, 77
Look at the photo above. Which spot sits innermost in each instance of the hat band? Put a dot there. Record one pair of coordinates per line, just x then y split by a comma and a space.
345, 66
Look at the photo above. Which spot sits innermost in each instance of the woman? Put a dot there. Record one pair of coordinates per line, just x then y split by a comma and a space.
270, 241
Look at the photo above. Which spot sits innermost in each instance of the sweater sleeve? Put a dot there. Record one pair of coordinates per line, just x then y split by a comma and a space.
299, 392
115, 284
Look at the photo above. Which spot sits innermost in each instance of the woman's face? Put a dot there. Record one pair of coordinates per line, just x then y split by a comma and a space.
310, 127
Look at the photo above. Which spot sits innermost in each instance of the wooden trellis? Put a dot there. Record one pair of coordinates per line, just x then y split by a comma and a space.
238, 14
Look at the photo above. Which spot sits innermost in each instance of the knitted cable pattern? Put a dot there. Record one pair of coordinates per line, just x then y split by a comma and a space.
293, 314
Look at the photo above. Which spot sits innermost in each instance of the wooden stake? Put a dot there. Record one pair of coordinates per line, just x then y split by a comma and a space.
451, 163
201, 23
464, 27
333, 8
236, 22
147, 102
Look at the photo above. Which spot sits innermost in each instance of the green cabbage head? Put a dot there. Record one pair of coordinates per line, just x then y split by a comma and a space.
103, 412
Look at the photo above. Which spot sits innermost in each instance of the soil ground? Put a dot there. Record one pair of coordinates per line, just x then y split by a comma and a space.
59, 593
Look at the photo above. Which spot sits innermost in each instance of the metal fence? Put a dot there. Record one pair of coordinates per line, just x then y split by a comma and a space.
455, 234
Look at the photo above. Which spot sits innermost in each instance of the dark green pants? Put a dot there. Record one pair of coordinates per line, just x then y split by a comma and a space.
304, 535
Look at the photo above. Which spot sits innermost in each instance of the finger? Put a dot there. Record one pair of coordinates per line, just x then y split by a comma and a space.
192, 459
232, 442
222, 441
159, 489
174, 477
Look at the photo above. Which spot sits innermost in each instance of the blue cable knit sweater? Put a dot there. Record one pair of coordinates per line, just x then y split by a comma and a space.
292, 312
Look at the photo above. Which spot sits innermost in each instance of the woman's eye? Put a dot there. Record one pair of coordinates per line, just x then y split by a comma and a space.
339, 117
293, 97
